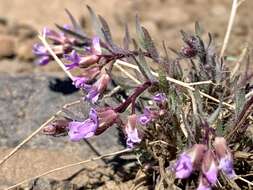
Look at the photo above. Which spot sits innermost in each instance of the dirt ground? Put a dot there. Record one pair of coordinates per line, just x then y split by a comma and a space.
163, 18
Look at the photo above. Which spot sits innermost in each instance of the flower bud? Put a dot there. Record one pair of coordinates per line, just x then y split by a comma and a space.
91, 72
88, 60
133, 135
80, 82
147, 116
224, 155
57, 127
160, 98
97, 88
106, 117
209, 167
204, 184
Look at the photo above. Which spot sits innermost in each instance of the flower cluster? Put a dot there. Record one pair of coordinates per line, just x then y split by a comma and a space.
162, 110
207, 161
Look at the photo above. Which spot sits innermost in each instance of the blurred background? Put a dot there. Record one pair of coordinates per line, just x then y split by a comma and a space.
164, 19
27, 101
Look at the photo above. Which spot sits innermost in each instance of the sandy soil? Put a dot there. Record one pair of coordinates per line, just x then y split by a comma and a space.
163, 18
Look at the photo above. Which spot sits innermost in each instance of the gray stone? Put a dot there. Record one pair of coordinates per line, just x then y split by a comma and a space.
26, 102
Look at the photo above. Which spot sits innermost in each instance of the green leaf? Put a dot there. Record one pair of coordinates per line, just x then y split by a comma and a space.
144, 68
149, 44
82, 38
239, 100
77, 27
214, 116
139, 32
107, 33
97, 26
127, 38
198, 29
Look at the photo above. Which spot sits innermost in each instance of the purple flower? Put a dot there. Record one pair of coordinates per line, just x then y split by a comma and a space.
56, 37
160, 98
80, 82
106, 117
204, 184
95, 90
74, 58
146, 117
42, 60
209, 167
93, 94
85, 129
184, 166
189, 161
226, 165
133, 136
96, 48
39, 50
224, 156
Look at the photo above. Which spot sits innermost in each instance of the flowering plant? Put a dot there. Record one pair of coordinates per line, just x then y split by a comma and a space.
184, 123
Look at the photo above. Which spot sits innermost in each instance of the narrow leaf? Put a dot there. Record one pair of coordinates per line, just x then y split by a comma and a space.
97, 26
149, 44
75, 24
79, 36
139, 32
198, 29
126, 40
107, 33
144, 68
214, 116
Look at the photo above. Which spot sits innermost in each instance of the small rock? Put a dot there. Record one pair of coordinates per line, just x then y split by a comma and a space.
50, 184
24, 49
7, 46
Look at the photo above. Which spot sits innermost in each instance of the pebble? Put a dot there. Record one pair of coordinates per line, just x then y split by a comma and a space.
7, 46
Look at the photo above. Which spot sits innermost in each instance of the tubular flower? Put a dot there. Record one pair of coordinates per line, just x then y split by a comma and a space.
133, 136
209, 167
224, 156
95, 90
43, 56
74, 58
80, 82
106, 117
189, 161
147, 116
85, 129
160, 98
57, 37
204, 184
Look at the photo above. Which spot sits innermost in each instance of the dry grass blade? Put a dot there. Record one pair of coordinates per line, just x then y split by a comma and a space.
186, 85
8, 156
229, 28
69, 166
126, 73
58, 61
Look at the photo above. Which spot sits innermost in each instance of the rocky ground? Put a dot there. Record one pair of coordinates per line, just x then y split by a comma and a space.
27, 101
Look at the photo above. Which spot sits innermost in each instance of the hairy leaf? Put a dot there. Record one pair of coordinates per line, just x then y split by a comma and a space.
78, 36
107, 33
77, 28
149, 44
198, 29
144, 68
214, 116
139, 32
97, 26
127, 38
